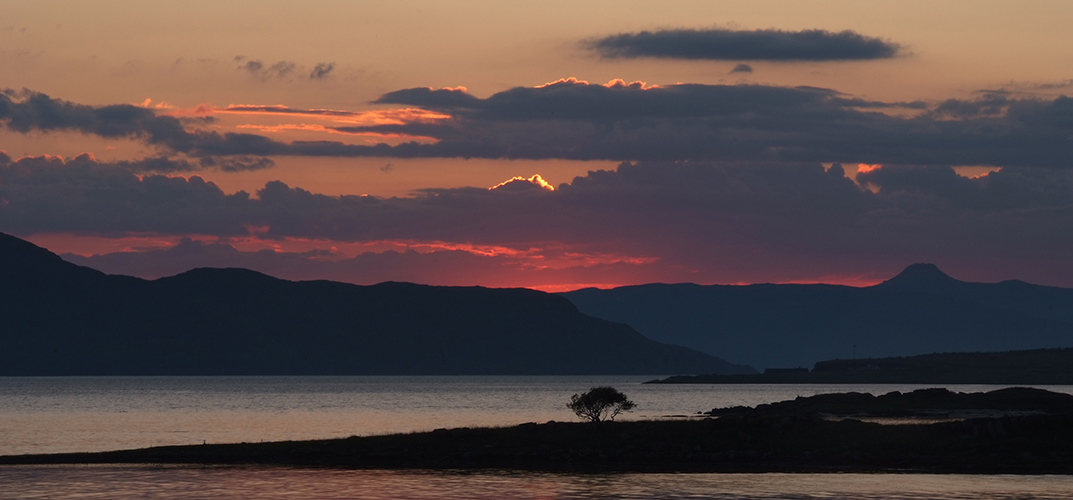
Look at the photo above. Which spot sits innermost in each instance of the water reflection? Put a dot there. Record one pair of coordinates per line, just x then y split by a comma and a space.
120, 483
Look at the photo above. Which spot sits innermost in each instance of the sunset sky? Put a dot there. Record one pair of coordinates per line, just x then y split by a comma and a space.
553, 145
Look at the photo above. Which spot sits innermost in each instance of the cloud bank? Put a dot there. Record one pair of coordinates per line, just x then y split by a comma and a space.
737, 45
650, 221
571, 119
27, 111
746, 123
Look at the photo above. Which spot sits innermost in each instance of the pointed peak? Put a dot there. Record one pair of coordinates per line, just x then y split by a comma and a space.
220, 275
923, 270
921, 275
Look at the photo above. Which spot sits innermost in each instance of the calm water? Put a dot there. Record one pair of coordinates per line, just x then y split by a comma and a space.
42, 415
268, 483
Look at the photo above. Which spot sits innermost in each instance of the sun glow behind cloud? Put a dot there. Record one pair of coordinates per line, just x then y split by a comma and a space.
535, 180
148, 103
613, 83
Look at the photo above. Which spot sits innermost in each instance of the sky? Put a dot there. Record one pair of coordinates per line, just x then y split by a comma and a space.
552, 145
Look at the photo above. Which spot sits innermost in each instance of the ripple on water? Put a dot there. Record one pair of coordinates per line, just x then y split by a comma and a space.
269, 483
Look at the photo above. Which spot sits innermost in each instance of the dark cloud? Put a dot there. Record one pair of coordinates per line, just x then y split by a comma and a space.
234, 163
166, 165
287, 110
629, 122
739, 123
692, 221
1023, 190
258, 69
742, 68
254, 67
24, 111
1064, 84
756, 45
281, 69
158, 164
991, 104
79, 194
321, 70
443, 99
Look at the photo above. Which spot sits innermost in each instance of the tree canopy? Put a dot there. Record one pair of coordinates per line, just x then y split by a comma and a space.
600, 403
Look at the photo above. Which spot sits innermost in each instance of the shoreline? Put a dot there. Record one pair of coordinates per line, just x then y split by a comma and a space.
1035, 444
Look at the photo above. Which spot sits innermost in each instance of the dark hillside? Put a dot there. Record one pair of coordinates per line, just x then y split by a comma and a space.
60, 319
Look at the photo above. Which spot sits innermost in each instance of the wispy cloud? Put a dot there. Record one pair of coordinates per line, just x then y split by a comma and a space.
321, 71
258, 69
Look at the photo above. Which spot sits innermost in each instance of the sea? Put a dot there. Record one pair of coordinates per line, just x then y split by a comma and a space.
76, 414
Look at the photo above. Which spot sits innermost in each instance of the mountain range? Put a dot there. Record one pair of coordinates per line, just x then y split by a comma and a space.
57, 318
919, 311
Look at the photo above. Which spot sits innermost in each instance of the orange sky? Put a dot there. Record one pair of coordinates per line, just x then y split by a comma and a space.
194, 60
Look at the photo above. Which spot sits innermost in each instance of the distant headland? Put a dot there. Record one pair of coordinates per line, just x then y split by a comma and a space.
1030, 367
920, 311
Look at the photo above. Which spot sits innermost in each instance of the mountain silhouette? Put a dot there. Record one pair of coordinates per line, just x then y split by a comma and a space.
922, 278
57, 318
920, 311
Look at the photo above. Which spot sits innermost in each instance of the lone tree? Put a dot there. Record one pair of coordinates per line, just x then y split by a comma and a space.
599, 403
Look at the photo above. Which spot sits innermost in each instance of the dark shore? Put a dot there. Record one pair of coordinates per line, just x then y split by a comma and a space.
1022, 441
934, 403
